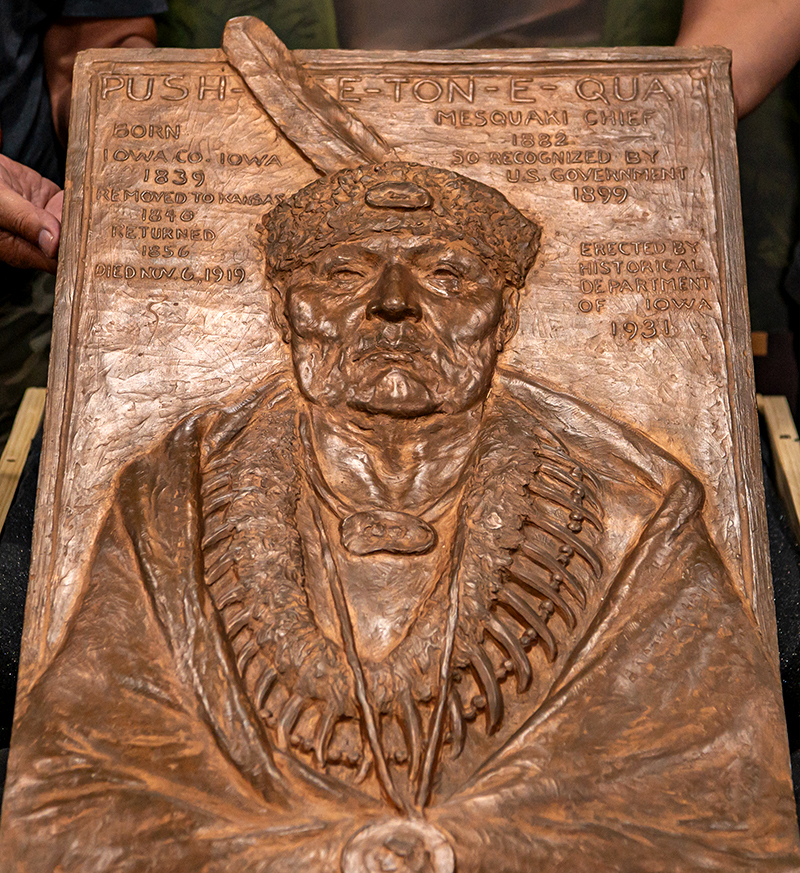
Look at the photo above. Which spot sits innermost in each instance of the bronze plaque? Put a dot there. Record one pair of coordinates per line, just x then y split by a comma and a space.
400, 507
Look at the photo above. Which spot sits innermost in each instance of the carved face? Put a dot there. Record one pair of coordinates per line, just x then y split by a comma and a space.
397, 325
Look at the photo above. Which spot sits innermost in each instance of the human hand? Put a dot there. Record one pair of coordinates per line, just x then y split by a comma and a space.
398, 846
68, 36
30, 217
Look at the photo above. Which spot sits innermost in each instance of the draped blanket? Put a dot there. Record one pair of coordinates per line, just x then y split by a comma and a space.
610, 705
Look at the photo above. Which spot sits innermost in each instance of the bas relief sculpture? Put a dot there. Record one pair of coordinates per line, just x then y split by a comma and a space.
402, 608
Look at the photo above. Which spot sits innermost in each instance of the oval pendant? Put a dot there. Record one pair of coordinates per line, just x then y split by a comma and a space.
381, 530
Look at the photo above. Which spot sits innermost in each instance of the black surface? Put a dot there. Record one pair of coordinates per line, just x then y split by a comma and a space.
25, 114
15, 559
785, 559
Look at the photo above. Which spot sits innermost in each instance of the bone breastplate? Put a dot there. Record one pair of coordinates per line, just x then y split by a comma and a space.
515, 596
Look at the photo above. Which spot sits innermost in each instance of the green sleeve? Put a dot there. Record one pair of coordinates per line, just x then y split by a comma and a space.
641, 22
301, 24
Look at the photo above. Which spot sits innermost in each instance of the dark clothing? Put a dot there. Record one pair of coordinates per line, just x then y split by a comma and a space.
299, 24
29, 137
25, 121
28, 133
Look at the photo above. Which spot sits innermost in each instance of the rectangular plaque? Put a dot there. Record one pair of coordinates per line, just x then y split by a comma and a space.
247, 647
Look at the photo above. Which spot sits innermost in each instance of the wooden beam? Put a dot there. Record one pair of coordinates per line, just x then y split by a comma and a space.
12, 461
785, 445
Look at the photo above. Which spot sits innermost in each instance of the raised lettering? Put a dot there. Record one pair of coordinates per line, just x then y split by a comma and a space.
169, 82
518, 89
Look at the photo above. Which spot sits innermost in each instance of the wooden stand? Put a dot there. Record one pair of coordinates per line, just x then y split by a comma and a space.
12, 461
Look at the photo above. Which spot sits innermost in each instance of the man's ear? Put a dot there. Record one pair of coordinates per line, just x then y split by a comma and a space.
510, 317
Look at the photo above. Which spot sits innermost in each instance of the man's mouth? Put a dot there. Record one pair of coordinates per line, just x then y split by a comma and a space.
389, 355
402, 351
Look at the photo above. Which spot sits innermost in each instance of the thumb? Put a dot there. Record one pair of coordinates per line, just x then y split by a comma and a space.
21, 218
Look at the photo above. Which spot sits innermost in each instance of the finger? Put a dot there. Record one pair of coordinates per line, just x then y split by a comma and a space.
22, 219
29, 184
55, 205
20, 253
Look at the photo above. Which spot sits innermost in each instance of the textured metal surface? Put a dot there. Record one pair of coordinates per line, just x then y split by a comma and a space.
427, 556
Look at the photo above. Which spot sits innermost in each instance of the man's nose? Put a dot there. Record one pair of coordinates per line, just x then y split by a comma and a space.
395, 296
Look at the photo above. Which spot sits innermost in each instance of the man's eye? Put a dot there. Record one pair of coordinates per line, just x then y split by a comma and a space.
445, 273
345, 274
444, 278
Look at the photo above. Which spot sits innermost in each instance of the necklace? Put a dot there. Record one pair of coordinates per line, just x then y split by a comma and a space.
399, 533
366, 532
510, 546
